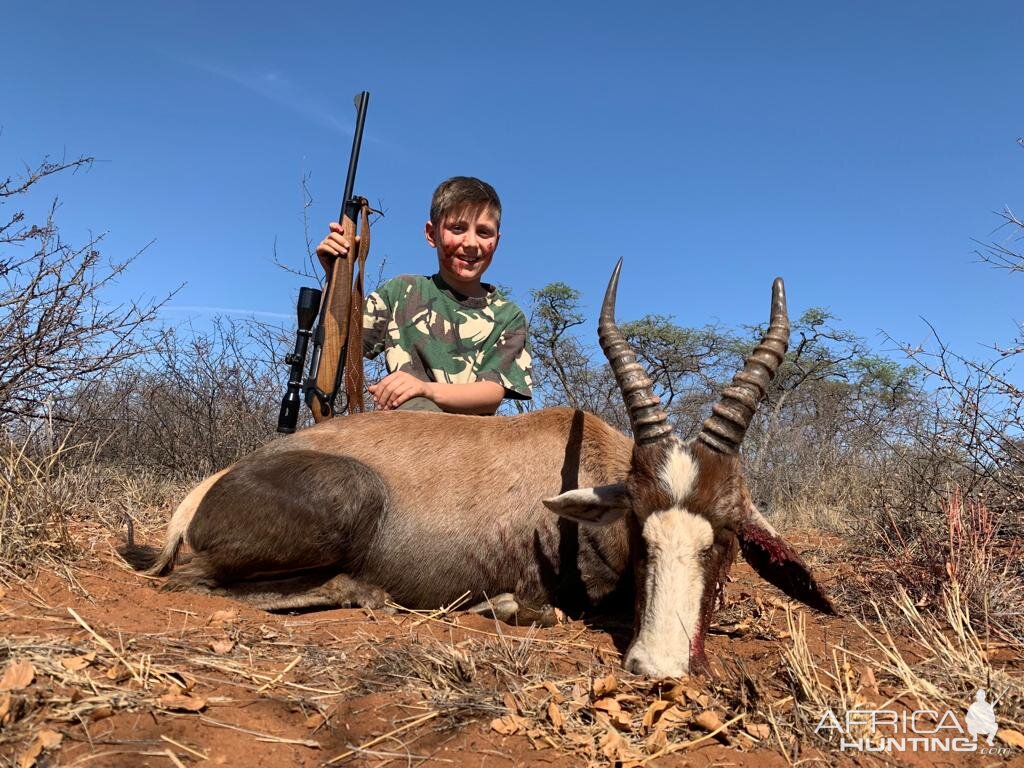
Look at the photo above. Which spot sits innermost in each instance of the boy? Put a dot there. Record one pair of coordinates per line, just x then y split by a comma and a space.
451, 342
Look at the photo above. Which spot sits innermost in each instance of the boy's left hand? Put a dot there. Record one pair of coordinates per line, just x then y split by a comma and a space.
396, 388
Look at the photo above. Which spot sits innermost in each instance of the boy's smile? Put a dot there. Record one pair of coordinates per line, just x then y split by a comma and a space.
465, 243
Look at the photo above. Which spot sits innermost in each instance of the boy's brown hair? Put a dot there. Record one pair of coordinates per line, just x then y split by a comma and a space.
463, 193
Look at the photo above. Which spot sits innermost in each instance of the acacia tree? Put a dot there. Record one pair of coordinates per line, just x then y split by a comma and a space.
56, 331
820, 441
827, 429
559, 359
683, 363
57, 334
687, 365
979, 401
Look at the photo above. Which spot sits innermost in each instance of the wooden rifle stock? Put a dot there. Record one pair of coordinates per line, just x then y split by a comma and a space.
341, 350
337, 352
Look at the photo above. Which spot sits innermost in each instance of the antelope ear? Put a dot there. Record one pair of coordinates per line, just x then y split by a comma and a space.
778, 563
593, 506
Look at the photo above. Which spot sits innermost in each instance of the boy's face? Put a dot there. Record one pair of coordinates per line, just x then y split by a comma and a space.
465, 243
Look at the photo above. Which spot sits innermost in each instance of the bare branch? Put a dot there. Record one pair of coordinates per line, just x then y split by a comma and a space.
56, 331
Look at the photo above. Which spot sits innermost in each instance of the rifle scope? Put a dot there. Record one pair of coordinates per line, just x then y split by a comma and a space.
308, 304
311, 312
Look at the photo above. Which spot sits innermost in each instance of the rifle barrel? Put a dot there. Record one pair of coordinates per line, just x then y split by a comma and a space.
362, 102
349, 209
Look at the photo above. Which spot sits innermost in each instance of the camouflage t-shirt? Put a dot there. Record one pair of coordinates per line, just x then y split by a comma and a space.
427, 329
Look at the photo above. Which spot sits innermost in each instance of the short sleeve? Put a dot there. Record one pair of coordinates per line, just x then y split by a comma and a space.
508, 362
376, 312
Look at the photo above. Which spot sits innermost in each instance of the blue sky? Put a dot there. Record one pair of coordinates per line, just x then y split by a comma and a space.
853, 148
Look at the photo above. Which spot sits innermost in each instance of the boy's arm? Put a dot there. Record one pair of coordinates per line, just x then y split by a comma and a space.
479, 397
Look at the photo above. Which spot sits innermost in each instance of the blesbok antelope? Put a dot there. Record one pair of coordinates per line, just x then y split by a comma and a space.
423, 507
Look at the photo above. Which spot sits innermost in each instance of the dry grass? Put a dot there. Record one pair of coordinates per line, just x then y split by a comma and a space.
63, 684
37, 494
555, 690
958, 546
943, 660
923, 662
984, 560
566, 695
533, 687
48, 479
431, 675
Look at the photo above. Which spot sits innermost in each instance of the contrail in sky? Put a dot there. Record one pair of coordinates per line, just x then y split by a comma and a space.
224, 311
279, 89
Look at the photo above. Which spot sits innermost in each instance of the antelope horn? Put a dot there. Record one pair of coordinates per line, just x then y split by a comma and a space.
648, 421
730, 417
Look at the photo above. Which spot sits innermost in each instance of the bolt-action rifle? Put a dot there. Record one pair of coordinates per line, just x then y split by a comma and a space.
337, 353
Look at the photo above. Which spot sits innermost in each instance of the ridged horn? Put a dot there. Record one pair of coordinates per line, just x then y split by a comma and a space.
648, 421
724, 430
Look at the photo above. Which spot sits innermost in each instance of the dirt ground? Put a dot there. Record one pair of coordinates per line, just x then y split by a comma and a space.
104, 669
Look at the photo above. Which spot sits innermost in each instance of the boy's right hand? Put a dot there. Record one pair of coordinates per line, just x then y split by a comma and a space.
335, 245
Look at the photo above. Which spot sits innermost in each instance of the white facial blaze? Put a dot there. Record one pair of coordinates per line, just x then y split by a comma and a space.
678, 474
675, 539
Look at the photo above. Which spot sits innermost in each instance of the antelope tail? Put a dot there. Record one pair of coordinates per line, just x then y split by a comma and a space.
160, 562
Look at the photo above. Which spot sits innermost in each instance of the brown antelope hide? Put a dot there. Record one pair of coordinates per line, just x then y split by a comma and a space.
423, 507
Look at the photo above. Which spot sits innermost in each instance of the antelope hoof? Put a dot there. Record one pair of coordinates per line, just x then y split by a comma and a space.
506, 608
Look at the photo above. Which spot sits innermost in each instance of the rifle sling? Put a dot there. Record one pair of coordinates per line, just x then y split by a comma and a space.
343, 327
353, 355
